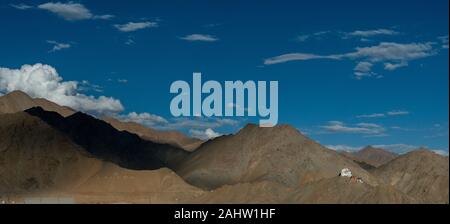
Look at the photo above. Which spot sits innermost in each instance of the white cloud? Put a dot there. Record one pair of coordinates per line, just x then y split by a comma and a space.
401, 128
134, 26
103, 17
316, 35
393, 55
297, 57
390, 113
204, 135
71, 11
392, 52
345, 148
371, 115
43, 81
199, 37
86, 86
360, 128
362, 69
371, 33
444, 41
21, 6
58, 46
441, 152
397, 113
302, 38
392, 66
146, 119
130, 41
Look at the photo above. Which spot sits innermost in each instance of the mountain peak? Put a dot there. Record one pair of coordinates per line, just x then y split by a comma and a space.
281, 127
17, 101
18, 94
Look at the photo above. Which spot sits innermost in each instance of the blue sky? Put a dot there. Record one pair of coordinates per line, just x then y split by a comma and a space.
351, 73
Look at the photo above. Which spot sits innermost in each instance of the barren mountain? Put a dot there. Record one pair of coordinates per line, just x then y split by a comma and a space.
18, 101
44, 154
369, 156
174, 138
107, 143
421, 174
37, 160
280, 154
36, 157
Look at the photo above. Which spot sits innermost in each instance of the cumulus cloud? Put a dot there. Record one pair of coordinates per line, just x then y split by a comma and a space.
134, 26
71, 11
371, 33
58, 46
43, 81
204, 135
200, 37
360, 128
146, 119
392, 55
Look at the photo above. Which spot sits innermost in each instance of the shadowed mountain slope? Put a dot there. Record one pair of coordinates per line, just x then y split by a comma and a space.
174, 138
106, 143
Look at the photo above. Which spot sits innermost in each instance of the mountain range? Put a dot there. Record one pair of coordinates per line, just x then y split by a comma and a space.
51, 151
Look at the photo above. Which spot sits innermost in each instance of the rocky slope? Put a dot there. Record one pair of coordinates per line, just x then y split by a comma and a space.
422, 174
18, 101
370, 157
280, 154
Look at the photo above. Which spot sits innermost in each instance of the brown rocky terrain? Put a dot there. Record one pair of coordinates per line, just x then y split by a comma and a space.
77, 158
36, 160
280, 154
18, 101
370, 157
422, 174
341, 190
